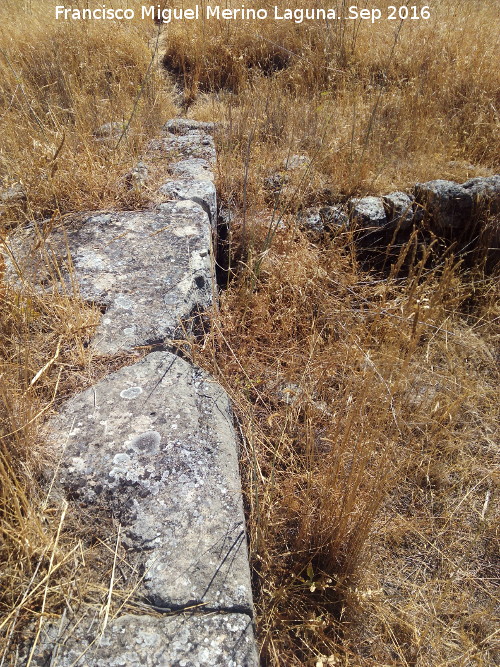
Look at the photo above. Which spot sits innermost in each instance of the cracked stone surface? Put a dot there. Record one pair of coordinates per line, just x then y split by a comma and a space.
368, 212
202, 192
196, 144
150, 270
148, 641
154, 443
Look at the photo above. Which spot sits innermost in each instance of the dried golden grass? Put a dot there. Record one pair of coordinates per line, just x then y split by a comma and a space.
61, 81
367, 405
369, 416
375, 107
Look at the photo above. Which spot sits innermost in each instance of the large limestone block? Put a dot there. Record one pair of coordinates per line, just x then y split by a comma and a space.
154, 443
147, 641
149, 270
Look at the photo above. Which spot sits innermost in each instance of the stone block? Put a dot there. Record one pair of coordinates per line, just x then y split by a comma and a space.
187, 125
149, 270
196, 145
202, 192
368, 212
399, 210
194, 168
485, 193
191, 640
154, 444
448, 204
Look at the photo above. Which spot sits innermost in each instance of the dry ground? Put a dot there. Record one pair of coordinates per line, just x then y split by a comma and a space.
367, 402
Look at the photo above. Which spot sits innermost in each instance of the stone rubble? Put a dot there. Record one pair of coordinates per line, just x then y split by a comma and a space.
444, 207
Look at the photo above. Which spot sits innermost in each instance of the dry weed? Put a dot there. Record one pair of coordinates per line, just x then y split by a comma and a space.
368, 412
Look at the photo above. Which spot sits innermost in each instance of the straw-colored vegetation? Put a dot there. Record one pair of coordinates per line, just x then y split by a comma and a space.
367, 402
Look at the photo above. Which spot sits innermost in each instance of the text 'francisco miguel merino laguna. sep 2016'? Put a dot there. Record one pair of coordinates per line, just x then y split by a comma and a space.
218, 12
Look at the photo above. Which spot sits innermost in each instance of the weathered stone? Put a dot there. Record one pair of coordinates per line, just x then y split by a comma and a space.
448, 204
311, 220
195, 168
399, 210
15, 195
462, 164
202, 192
322, 219
334, 217
186, 125
276, 182
147, 641
109, 130
290, 393
154, 442
368, 212
193, 145
150, 270
296, 162
12, 198
485, 193
138, 176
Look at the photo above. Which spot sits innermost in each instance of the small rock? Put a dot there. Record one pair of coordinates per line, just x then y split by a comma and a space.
187, 125
311, 220
462, 165
399, 210
290, 393
485, 192
296, 162
275, 182
368, 212
15, 195
448, 204
334, 217
109, 131
136, 179
323, 219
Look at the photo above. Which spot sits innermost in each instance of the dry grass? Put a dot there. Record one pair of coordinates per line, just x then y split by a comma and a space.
61, 81
367, 403
375, 107
369, 413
